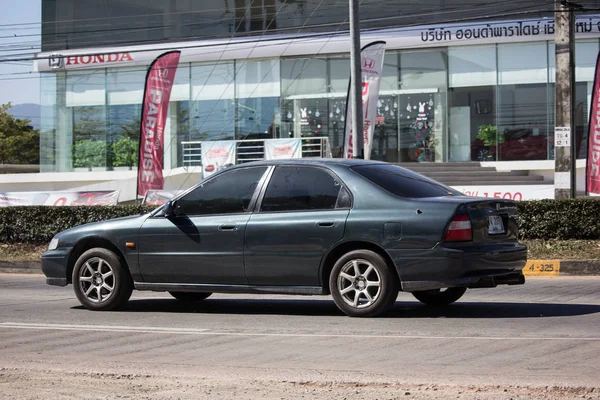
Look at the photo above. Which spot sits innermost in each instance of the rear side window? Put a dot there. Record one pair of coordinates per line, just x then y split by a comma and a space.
301, 189
403, 182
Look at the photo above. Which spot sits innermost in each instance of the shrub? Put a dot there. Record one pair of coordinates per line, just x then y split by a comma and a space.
540, 219
38, 224
560, 219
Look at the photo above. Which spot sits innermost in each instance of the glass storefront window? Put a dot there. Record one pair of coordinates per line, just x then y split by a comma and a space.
523, 131
472, 76
257, 88
125, 88
85, 101
212, 108
89, 137
422, 106
303, 90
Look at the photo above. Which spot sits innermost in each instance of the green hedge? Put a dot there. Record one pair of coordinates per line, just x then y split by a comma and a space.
38, 224
560, 219
543, 219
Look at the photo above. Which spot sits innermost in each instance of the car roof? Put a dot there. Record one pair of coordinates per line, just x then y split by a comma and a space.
311, 161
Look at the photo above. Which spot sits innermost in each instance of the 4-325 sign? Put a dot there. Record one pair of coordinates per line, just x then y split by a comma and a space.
542, 268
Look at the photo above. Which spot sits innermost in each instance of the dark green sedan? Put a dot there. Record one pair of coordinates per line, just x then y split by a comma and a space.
358, 230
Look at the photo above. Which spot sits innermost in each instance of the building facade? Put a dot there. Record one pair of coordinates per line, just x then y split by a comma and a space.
477, 89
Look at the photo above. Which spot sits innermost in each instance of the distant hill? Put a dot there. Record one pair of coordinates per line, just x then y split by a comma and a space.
27, 111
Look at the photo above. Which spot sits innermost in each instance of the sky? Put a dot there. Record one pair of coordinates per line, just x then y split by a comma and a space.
24, 87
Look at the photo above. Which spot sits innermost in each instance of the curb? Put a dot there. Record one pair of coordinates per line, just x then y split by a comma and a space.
533, 267
20, 267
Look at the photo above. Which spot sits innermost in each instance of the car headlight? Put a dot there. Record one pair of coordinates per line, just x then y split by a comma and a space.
53, 244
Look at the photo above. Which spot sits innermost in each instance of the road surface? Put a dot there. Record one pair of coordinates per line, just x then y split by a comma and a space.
540, 340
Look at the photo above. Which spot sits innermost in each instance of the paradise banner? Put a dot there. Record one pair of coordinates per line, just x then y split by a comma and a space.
371, 67
86, 198
592, 175
217, 155
157, 92
276, 149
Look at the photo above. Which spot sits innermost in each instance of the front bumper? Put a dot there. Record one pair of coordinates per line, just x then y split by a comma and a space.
54, 266
460, 266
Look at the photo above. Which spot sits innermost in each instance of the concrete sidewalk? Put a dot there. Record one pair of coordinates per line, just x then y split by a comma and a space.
533, 267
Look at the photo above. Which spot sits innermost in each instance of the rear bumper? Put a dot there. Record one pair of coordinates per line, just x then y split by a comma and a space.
473, 282
54, 266
443, 267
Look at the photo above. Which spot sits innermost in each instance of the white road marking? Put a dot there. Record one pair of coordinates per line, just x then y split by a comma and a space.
102, 328
204, 332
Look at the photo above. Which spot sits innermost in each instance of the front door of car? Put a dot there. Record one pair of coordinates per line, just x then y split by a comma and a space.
302, 214
203, 243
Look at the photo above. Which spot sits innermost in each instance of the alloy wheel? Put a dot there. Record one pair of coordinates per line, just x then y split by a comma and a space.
359, 283
97, 280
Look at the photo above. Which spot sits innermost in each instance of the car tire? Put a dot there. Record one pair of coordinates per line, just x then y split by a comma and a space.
440, 297
189, 297
362, 284
101, 281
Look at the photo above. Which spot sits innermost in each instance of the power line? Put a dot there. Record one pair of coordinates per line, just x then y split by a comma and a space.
301, 37
204, 11
521, 10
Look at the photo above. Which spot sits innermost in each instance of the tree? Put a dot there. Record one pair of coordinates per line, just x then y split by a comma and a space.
89, 153
89, 137
19, 142
126, 152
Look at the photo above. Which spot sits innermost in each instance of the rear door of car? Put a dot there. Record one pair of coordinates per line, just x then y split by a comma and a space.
301, 214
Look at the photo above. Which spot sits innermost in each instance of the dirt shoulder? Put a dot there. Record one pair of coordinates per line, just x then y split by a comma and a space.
22, 383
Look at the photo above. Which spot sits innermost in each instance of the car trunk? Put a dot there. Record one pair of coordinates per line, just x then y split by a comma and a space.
492, 220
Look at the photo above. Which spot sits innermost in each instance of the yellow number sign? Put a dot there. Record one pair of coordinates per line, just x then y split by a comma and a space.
542, 268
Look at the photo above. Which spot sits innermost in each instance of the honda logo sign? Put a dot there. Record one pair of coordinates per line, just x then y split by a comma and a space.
163, 73
368, 63
55, 61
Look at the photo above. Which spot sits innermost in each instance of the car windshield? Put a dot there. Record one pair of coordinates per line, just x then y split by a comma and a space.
403, 182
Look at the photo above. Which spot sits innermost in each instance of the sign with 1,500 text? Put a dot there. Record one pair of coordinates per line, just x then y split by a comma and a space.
508, 192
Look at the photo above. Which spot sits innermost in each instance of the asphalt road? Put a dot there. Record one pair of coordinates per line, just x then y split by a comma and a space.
544, 336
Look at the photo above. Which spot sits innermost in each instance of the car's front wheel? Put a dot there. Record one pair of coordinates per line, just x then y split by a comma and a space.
189, 297
100, 281
440, 297
362, 284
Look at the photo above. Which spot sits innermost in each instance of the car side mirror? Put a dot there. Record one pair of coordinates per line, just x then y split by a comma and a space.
170, 209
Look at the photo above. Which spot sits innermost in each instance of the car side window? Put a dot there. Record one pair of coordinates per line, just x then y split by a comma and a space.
299, 189
228, 193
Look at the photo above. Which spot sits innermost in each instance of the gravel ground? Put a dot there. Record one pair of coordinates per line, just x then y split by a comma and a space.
23, 383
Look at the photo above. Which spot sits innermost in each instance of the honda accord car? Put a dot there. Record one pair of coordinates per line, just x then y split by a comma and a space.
358, 230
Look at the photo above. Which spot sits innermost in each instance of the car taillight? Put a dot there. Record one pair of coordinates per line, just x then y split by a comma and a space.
460, 229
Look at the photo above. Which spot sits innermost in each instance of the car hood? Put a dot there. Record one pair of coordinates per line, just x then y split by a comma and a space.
103, 228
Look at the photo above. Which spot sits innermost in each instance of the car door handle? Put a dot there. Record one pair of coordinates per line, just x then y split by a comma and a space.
326, 224
225, 227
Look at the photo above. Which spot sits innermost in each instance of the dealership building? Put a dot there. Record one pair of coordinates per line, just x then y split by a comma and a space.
254, 70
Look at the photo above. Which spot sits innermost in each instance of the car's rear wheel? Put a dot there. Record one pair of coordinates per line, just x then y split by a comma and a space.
100, 280
440, 297
362, 284
189, 297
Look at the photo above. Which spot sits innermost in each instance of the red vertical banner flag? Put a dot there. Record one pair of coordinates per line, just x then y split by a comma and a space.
592, 175
155, 104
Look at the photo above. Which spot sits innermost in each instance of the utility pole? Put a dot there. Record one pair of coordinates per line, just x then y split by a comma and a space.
356, 79
564, 129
